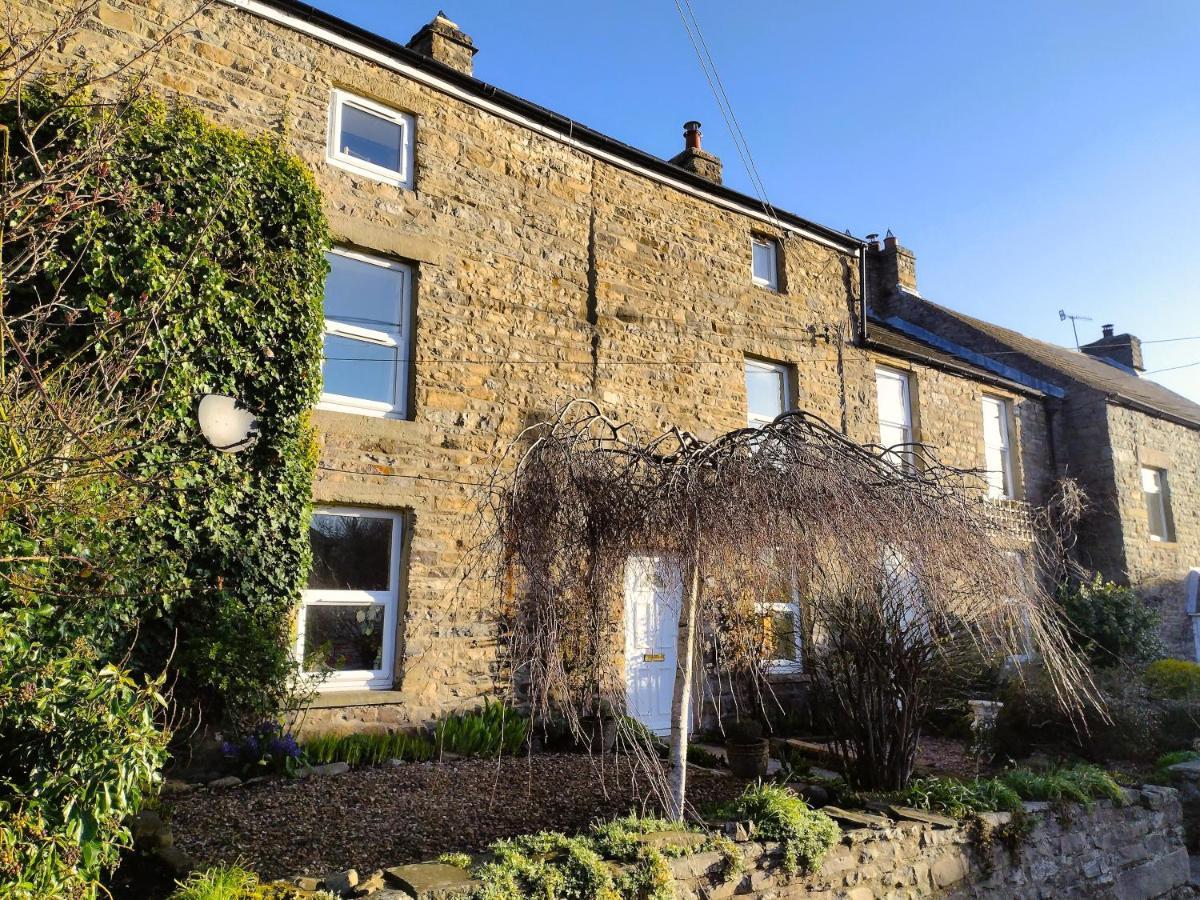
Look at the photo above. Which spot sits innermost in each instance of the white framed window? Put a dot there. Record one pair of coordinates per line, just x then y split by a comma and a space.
1022, 625
368, 302
768, 391
997, 449
782, 631
370, 139
892, 393
1158, 503
348, 619
764, 262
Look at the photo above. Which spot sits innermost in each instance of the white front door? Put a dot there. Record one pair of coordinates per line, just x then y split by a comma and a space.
653, 593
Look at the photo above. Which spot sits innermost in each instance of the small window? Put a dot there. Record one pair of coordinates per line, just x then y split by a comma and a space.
1158, 503
367, 303
997, 450
347, 626
765, 262
768, 391
370, 139
895, 415
782, 634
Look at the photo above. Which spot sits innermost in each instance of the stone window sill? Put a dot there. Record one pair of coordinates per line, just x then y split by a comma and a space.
336, 699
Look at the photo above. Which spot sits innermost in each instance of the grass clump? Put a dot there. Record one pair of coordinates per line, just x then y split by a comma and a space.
366, 749
232, 882
1174, 758
491, 730
1079, 784
780, 815
958, 798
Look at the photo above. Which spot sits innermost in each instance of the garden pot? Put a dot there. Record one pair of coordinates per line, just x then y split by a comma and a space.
748, 759
599, 734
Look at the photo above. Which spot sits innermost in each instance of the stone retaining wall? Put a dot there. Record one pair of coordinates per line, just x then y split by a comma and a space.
1131, 852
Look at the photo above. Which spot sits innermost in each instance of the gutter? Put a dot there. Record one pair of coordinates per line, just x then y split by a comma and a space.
308, 20
951, 368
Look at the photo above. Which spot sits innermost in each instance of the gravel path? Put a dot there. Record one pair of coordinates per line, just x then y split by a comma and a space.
385, 816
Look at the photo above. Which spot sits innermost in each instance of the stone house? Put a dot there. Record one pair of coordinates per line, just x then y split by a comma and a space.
493, 260
1133, 445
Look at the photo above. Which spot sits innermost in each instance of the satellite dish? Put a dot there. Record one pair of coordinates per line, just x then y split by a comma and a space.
225, 423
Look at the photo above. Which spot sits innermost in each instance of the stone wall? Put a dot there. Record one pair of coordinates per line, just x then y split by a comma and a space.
543, 272
1132, 852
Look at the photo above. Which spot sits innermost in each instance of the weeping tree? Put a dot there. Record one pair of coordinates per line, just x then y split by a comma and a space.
890, 559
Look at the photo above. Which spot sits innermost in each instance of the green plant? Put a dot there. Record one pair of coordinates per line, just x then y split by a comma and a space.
545, 865
491, 730
222, 882
1173, 679
219, 237
780, 815
618, 838
1110, 622
1079, 784
733, 862
1174, 758
267, 749
366, 748
80, 749
649, 879
458, 860
958, 798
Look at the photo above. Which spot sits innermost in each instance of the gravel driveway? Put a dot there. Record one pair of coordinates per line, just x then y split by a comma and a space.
378, 817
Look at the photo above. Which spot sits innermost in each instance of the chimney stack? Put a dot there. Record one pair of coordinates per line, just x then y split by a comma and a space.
1122, 349
444, 41
890, 269
693, 158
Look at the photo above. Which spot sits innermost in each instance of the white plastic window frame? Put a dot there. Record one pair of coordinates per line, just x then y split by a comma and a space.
361, 679
771, 282
403, 177
384, 335
783, 371
1159, 497
905, 456
1004, 408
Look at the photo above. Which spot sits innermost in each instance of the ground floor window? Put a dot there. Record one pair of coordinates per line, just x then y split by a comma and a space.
347, 624
780, 609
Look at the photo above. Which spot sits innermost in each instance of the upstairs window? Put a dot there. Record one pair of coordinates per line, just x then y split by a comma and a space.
997, 449
1158, 504
367, 311
768, 391
895, 415
370, 139
764, 270
348, 621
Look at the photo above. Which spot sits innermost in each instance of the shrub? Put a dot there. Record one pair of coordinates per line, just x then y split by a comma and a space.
1173, 679
226, 233
1110, 623
80, 748
491, 730
367, 749
546, 865
266, 748
780, 815
1078, 784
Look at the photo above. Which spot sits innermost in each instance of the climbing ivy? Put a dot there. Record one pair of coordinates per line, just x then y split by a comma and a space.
219, 237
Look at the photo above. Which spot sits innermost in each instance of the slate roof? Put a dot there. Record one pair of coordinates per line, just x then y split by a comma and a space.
1121, 386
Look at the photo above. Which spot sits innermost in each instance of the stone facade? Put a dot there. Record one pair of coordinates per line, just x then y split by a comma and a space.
547, 266
1103, 430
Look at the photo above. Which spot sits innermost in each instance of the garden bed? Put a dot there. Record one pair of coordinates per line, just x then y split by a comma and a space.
382, 816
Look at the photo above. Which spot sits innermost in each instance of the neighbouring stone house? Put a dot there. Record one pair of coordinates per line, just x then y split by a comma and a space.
1133, 444
495, 259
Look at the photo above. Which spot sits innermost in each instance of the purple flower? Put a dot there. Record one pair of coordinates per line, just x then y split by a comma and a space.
228, 749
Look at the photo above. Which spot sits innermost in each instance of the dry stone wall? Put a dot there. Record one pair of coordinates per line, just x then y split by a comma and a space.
1131, 852
542, 273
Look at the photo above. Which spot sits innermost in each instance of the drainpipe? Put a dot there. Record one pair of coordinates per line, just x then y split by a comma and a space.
862, 290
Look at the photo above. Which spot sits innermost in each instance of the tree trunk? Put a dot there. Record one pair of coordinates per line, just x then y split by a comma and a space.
685, 652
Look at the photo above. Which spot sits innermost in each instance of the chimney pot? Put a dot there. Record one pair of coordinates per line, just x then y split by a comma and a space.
693, 158
1106, 330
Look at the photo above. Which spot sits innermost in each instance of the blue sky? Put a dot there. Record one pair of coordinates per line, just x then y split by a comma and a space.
1035, 156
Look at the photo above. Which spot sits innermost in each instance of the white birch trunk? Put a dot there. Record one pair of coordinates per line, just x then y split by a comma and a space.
681, 698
